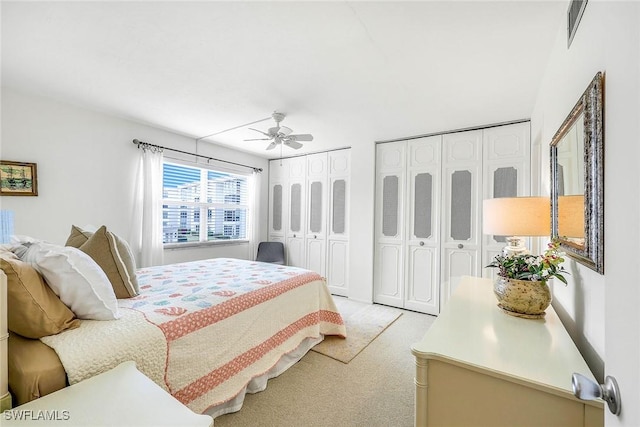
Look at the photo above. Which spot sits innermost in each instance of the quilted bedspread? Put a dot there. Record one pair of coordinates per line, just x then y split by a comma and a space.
202, 330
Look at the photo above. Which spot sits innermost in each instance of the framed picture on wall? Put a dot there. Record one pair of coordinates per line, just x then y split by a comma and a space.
18, 179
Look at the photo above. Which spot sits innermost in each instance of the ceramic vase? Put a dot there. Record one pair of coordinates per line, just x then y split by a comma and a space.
522, 298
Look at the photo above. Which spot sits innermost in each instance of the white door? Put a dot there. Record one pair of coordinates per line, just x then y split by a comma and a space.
507, 173
338, 228
423, 219
296, 226
316, 224
388, 282
461, 221
278, 200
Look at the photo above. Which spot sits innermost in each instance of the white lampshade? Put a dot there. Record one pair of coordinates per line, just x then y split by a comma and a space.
517, 216
571, 216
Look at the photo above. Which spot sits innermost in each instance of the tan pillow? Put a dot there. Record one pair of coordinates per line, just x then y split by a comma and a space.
78, 237
34, 310
102, 246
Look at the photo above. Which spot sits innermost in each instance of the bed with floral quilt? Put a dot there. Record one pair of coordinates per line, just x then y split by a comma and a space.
207, 331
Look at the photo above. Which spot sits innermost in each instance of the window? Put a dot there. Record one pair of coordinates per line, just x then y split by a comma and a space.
203, 205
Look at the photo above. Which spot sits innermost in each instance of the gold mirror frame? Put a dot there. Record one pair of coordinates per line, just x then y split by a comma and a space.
589, 248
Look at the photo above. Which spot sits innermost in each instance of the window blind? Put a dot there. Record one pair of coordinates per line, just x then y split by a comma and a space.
201, 205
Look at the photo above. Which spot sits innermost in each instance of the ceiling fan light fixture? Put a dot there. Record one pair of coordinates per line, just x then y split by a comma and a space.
281, 135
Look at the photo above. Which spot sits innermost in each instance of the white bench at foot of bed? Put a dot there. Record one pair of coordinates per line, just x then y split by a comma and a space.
122, 396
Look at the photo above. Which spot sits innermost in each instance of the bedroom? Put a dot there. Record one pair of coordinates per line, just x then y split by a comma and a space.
78, 146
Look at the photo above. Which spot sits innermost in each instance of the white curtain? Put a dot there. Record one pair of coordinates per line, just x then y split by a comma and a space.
146, 230
255, 183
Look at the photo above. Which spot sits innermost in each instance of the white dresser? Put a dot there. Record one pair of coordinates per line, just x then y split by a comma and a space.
477, 366
120, 397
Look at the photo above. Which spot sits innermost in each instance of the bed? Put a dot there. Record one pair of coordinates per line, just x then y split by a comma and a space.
206, 331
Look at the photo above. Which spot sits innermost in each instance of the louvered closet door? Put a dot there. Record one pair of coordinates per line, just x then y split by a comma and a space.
507, 173
296, 225
462, 198
389, 224
423, 219
316, 227
278, 199
338, 229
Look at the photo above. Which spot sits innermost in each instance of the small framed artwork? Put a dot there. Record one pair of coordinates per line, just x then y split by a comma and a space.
18, 179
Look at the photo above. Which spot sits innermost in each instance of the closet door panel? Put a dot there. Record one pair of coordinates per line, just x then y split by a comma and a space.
296, 226
337, 266
316, 213
507, 172
278, 199
461, 214
338, 226
423, 289
389, 224
388, 275
316, 260
423, 219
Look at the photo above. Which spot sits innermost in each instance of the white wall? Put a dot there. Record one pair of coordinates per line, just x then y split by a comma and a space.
601, 311
86, 170
363, 158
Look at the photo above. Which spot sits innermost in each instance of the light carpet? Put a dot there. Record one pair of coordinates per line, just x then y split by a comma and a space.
364, 323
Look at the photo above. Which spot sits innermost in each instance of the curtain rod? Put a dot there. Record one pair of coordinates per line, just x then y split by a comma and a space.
138, 143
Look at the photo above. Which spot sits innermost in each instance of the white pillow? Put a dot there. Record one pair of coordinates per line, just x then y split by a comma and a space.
76, 279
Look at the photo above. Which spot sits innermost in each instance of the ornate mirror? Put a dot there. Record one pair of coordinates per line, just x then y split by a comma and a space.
577, 187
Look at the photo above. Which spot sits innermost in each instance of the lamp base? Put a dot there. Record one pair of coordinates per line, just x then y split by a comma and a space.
515, 246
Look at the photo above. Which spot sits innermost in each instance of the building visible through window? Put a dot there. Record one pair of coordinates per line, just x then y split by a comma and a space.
202, 205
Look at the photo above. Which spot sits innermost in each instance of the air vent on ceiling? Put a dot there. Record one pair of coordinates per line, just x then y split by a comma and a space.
574, 13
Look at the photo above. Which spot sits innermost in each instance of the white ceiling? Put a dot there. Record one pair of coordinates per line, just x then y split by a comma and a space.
347, 72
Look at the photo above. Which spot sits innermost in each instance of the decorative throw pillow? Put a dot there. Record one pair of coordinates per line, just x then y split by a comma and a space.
76, 279
33, 310
112, 254
78, 237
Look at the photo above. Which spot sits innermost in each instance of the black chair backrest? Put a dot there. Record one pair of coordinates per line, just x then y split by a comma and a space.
272, 252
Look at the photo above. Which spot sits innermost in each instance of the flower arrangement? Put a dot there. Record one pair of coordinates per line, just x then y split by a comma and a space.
532, 267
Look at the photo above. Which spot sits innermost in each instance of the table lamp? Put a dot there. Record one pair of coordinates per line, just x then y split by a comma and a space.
6, 226
515, 217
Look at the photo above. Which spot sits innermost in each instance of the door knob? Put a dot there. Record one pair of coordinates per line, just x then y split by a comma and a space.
421, 243
587, 389
460, 246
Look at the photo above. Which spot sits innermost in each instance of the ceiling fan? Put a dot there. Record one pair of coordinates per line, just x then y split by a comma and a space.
281, 135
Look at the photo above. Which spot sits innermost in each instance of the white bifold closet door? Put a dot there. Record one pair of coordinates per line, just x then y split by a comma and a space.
338, 225
407, 250
462, 207
278, 200
296, 225
507, 173
316, 230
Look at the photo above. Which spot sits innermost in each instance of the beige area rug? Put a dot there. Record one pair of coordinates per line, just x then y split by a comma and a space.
364, 323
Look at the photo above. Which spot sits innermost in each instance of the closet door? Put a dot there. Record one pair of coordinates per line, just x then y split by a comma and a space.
462, 199
278, 199
295, 233
507, 159
423, 219
338, 229
316, 226
389, 224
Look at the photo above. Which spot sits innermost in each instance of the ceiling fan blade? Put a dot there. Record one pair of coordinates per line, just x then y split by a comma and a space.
258, 139
293, 144
265, 134
301, 137
272, 145
284, 130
